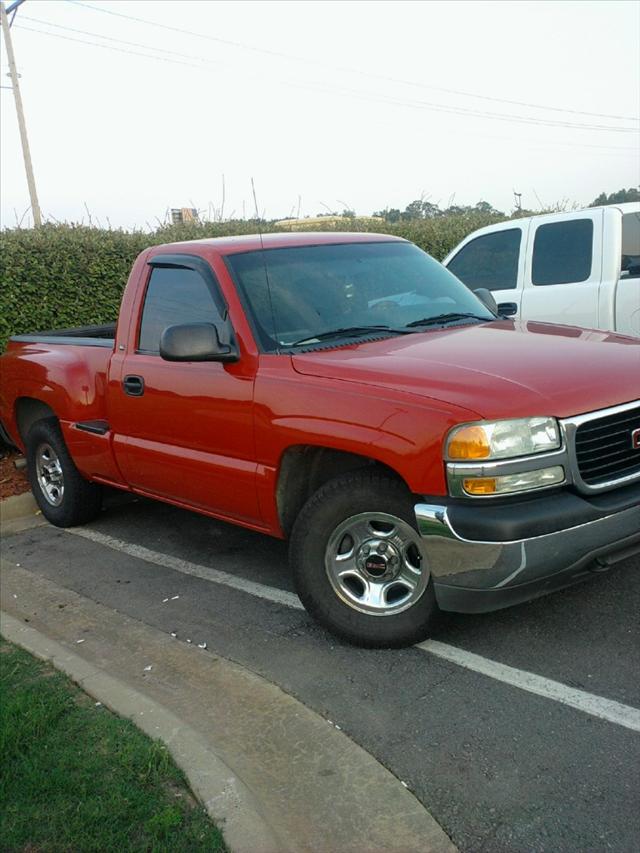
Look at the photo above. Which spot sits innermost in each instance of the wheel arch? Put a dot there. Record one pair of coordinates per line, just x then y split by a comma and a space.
304, 468
28, 410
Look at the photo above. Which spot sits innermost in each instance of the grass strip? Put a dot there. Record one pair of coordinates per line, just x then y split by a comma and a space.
77, 777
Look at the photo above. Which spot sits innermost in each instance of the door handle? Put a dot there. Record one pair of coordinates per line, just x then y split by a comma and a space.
133, 385
507, 309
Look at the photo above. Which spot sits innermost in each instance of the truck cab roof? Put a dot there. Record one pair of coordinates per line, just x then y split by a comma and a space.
253, 242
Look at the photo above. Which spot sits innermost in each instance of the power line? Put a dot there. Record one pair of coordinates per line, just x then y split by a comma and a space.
608, 148
309, 61
118, 40
329, 88
105, 46
333, 89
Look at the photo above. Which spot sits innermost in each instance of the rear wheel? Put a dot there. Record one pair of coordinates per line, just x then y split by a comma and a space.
61, 492
359, 563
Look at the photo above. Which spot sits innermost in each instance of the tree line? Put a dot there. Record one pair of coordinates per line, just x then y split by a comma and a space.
422, 208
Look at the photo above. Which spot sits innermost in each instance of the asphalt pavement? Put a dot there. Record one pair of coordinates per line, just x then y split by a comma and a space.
501, 768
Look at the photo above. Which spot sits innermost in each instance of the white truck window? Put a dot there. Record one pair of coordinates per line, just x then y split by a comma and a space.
489, 261
562, 252
630, 267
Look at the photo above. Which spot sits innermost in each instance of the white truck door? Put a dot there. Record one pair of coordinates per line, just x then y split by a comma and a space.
494, 258
563, 269
627, 293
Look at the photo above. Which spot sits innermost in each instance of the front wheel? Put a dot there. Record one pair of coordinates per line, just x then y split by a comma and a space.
359, 564
61, 492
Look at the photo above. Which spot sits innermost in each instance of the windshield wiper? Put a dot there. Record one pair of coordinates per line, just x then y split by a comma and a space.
347, 331
447, 318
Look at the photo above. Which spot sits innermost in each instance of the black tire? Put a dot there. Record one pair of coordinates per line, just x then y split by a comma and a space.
331, 507
79, 500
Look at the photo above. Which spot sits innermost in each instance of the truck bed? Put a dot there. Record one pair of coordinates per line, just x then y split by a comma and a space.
89, 336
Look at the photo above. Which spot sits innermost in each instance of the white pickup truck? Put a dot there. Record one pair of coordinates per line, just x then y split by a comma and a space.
579, 268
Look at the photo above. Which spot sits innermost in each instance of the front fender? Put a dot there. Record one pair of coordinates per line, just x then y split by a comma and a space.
399, 430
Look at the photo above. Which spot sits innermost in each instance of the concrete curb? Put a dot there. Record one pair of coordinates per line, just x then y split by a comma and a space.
274, 775
18, 506
18, 513
226, 799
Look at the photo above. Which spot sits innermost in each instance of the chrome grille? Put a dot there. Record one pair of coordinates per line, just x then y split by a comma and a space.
604, 448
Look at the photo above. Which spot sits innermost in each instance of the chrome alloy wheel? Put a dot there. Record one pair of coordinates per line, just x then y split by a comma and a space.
49, 474
376, 564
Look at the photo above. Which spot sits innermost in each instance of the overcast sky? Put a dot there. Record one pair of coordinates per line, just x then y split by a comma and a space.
360, 104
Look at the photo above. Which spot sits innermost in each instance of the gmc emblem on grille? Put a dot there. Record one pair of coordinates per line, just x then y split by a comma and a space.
635, 439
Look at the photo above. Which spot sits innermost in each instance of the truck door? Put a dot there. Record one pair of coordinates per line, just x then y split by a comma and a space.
563, 269
627, 285
494, 260
184, 430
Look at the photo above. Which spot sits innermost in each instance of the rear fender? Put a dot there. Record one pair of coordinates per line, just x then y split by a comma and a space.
69, 382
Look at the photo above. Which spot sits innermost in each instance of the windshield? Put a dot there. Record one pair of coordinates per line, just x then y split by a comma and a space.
315, 290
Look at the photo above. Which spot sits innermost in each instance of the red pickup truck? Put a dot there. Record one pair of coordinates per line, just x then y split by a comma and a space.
349, 393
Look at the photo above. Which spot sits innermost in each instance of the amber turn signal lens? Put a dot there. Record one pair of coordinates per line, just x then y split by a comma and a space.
480, 486
469, 442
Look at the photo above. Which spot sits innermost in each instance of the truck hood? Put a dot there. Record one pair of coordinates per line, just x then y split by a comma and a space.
503, 369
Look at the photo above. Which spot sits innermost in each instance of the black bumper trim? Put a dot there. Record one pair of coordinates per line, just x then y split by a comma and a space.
547, 513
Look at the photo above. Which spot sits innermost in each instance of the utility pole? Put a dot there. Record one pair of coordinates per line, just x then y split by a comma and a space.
26, 153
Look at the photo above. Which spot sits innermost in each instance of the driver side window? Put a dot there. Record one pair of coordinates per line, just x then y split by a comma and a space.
174, 295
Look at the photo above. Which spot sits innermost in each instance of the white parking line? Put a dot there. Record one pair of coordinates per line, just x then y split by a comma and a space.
588, 703
279, 596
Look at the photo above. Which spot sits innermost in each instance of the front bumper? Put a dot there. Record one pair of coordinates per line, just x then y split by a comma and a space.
497, 560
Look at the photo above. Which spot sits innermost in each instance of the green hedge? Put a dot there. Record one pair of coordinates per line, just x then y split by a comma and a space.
73, 275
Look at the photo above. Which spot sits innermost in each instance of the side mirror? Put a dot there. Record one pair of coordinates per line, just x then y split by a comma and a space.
508, 309
195, 342
486, 296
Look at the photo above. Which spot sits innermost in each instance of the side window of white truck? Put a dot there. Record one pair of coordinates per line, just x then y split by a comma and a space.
489, 261
630, 266
562, 252
627, 297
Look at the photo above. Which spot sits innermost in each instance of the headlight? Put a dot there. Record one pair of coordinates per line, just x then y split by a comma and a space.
503, 439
